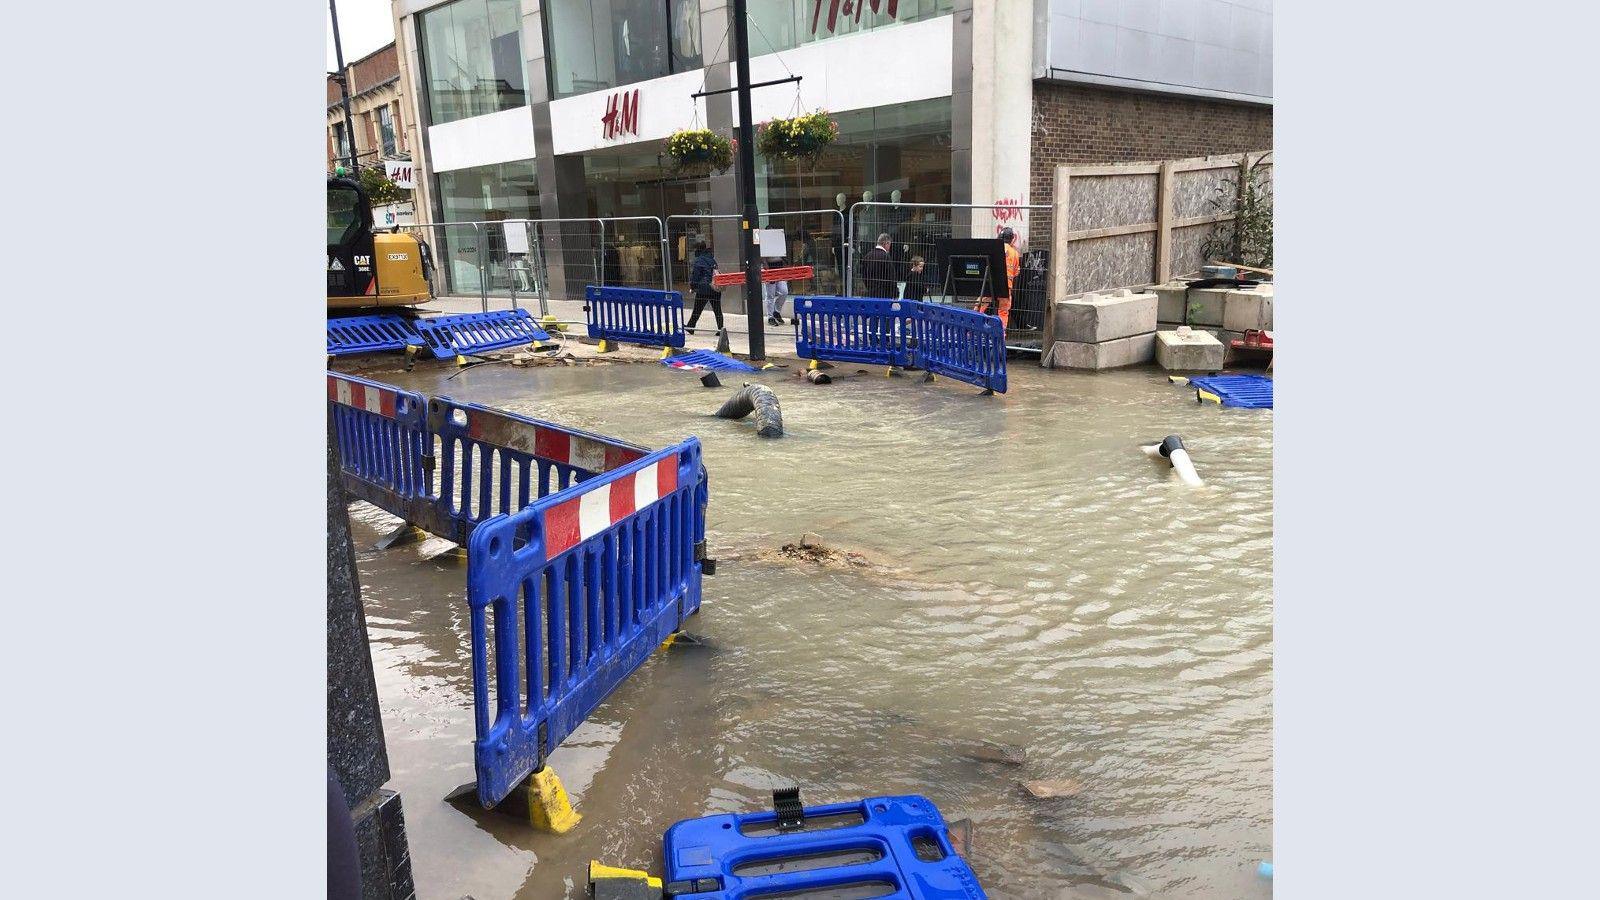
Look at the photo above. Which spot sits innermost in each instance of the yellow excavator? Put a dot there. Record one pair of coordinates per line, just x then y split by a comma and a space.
367, 270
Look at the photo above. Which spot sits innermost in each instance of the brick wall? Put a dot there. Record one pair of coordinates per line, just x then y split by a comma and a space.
1081, 124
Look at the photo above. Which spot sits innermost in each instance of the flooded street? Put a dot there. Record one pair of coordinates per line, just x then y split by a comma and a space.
1027, 578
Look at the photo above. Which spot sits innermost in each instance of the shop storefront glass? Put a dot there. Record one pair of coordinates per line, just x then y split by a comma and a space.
897, 154
783, 24
484, 194
472, 57
599, 44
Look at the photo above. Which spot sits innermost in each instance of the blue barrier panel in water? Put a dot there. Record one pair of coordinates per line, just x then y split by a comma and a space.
496, 463
383, 442
947, 340
569, 595
450, 336
854, 329
1243, 391
893, 846
371, 334
962, 344
445, 466
635, 315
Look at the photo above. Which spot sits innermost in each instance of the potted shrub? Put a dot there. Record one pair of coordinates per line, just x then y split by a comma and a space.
699, 150
800, 138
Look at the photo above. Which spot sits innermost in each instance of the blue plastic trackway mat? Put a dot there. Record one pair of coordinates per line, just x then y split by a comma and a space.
1242, 391
707, 359
898, 846
369, 334
449, 336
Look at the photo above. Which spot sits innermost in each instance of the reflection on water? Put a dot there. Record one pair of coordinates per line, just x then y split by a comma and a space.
1035, 582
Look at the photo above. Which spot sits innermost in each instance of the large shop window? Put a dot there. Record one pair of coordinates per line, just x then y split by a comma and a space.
599, 44
472, 54
784, 24
484, 194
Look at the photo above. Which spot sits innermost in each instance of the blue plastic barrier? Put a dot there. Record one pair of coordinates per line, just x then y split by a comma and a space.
635, 315
383, 444
900, 846
598, 575
1241, 391
451, 336
597, 542
946, 340
707, 359
495, 463
854, 329
962, 344
370, 334
445, 466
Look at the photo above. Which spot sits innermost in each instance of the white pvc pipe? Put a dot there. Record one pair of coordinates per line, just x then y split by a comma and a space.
1178, 457
1185, 467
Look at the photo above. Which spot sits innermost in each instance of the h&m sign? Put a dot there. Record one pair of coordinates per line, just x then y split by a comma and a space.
622, 115
850, 6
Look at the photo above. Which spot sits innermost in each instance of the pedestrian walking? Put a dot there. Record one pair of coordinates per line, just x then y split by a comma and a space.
772, 294
700, 275
877, 270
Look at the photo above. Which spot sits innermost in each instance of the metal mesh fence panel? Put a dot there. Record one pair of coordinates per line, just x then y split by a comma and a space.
916, 229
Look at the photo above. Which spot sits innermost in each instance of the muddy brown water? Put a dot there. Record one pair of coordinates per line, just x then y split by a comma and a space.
1034, 581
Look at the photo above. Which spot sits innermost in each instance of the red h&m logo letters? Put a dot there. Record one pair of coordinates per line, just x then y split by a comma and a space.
622, 115
855, 6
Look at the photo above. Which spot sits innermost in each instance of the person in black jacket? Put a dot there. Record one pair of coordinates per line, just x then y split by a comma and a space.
700, 275
877, 270
914, 280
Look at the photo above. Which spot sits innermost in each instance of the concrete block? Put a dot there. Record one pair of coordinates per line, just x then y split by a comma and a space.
1189, 351
1205, 305
1245, 310
1099, 317
1128, 351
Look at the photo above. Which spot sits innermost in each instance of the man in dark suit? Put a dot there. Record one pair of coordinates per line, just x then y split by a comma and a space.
877, 270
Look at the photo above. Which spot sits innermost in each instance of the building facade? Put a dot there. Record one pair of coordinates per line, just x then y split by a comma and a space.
378, 107
559, 109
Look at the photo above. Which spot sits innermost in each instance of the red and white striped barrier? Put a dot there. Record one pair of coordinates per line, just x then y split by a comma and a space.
570, 523
362, 396
547, 442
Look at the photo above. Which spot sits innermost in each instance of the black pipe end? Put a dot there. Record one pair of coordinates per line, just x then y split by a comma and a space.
1170, 443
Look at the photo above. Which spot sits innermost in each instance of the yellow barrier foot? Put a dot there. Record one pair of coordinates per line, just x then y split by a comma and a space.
605, 347
551, 323
405, 534
613, 883
813, 366
549, 810
666, 352
1178, 379
460, 360
1201, 396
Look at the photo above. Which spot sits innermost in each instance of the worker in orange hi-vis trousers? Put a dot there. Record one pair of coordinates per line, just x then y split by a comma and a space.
1013, 269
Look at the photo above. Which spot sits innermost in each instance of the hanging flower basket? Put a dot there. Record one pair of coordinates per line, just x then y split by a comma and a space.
700, 150
800, 138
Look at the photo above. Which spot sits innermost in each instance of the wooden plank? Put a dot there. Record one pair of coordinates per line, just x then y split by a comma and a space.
1246, 268
1202, 220
1111, 231
1164, 201
1059, 240
1116, 169
1230, 161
